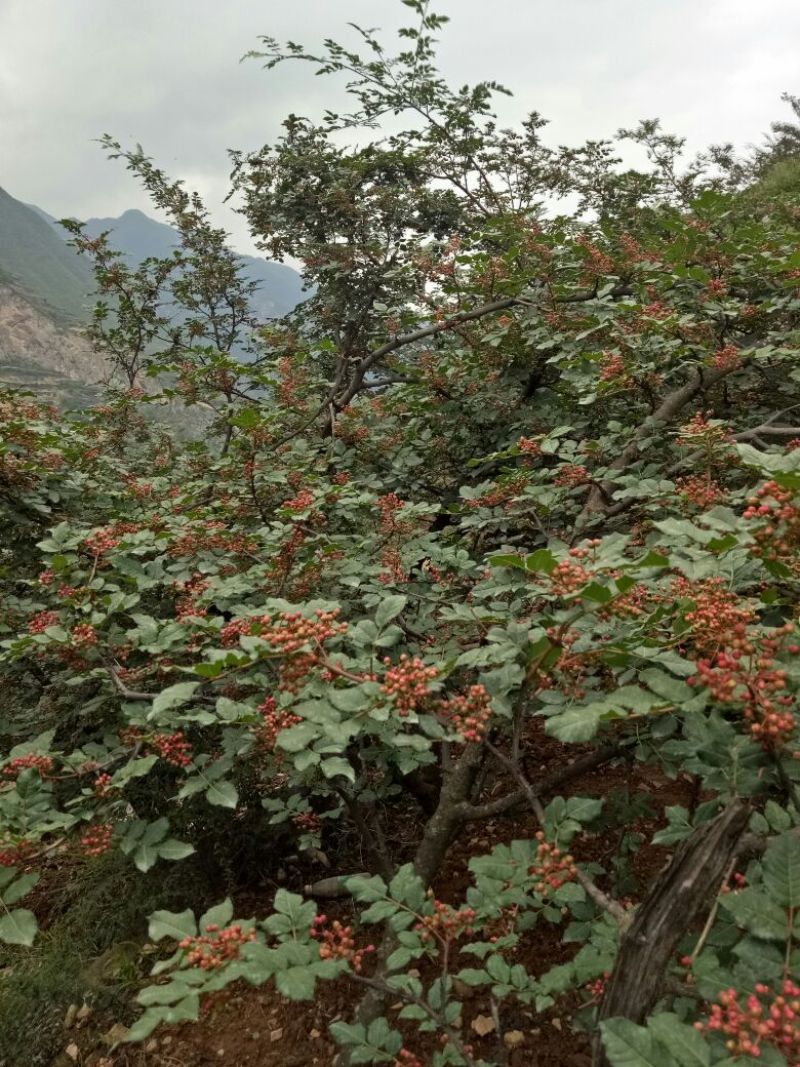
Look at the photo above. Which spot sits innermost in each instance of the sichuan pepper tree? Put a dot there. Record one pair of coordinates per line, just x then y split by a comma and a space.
503, 468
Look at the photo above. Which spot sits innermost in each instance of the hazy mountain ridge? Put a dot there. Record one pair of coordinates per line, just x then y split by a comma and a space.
139, 237
32, 259
46, 294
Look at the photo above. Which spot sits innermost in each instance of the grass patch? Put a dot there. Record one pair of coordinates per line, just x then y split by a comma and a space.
89, 951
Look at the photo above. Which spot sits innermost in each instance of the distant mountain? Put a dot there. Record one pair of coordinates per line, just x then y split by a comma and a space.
49, 357
139, 237
40, 266
46, 287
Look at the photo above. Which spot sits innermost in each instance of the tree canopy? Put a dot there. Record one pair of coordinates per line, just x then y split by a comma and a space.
523, 467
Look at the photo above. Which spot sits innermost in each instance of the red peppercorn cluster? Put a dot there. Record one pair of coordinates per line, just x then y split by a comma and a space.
291, 634
552, 868
11, 855
747, 677
630, 604
217, 946
42, 764
406, 1058
274, 720
598, 987
738, 881
394, 571
469, 712
97, 839
571, 667
726, 358
612, 369
236, 628
501, 494
208, 536
131, 736
41, 621
446, 924
407, 683
102, 785
186, 606
300, 640
389, 506
308, 821
336, 942
173, 748
700, 490
83, 634
301, 502
699, 431
47, 577
566, 577
288, 551
778, 535
599, 263
719, 616
765, 1018
289, 383
571, 475
529, 446
101, 541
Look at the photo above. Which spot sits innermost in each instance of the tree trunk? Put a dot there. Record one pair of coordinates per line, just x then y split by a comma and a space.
692, 878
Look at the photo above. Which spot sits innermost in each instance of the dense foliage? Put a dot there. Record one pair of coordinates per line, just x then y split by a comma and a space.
524, 461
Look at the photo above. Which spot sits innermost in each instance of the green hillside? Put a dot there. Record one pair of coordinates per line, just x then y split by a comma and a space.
138, 237
37, 262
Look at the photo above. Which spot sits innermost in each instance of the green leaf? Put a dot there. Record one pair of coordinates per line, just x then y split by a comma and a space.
298, 737
401, 957
782, 870
145, 857
778, 818
629, 1045
18, 888
389, 608
145, 1025
366, 890
297, 983
174, 850
172, 697
541, 560
407, 887
18, 927
348, 1033
378, 911
174, 924
763, 958
508, 561
337, 767
300, 912
222, 794
685, 1044
576, 724
600, 594
652, 559
220, 915
665, 686
752, 909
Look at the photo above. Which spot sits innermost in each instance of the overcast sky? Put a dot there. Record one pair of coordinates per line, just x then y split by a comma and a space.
166, 73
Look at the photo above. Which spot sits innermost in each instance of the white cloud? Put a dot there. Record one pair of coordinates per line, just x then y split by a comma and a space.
166, 73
